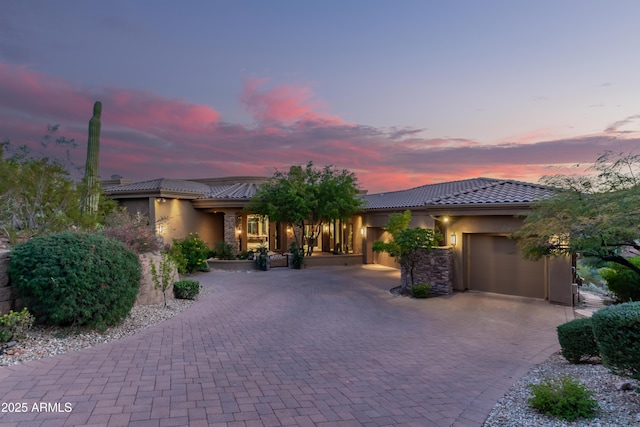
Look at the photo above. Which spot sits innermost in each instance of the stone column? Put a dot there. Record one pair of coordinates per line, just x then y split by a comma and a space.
230, 237
5, 289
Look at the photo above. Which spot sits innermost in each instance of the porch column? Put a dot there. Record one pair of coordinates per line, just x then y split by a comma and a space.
230, 236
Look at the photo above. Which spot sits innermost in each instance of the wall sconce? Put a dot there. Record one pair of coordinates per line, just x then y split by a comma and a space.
362, 231
161, 199
326, 228
289, 230
238, 231
159, 229
454, 239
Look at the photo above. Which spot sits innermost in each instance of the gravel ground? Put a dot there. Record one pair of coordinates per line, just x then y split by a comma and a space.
617, 407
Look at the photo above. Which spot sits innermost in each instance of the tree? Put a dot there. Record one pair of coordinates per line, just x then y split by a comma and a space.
596, 215
407, 244
307, 195
37, 192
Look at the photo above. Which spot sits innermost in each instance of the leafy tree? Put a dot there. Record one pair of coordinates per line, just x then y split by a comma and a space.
596, 215
38, 193
307, 195
407, 244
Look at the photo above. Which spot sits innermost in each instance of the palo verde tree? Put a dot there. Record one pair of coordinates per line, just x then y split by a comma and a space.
407, 244
307, 195
596, 215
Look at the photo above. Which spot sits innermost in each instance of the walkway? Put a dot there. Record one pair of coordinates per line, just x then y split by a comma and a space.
314, 347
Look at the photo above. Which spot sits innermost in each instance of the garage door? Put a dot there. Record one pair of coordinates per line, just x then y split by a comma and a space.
495, 265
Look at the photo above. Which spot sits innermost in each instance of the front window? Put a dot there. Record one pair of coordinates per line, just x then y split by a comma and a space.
257, 231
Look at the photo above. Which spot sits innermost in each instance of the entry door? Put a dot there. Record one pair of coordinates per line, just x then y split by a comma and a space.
496, 265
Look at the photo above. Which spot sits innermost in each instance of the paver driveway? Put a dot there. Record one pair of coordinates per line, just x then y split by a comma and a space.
327, 347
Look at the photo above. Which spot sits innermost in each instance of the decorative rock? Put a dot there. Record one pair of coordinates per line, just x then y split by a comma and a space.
624, 385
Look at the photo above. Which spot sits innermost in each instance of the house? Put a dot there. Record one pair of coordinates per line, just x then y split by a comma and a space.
474, 216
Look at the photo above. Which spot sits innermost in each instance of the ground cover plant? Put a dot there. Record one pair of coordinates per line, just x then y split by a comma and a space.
77, 279
186, 289
564, 398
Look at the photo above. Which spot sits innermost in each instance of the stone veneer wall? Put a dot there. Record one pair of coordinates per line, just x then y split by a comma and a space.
435, 268
5, 289
230, 223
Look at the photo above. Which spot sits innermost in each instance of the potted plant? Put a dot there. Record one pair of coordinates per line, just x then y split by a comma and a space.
262, 258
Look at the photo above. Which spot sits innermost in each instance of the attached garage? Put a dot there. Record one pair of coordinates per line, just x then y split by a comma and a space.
494, 264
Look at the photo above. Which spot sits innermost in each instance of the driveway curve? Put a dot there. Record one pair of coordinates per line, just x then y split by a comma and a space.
315, 347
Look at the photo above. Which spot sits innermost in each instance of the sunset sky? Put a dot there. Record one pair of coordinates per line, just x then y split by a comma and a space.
403, 93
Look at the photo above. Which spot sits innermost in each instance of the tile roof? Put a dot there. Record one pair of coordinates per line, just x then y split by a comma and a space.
464, 192
235, 191
168, 184
204, 191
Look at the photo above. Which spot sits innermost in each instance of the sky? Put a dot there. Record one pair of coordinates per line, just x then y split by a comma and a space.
402, 93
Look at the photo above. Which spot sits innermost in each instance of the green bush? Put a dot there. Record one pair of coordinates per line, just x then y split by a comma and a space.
617, 332
421, 290
76, 279
14, 326
224, 250
577, 340
565, 398
297, 255
622, 281
186, 289
192, 249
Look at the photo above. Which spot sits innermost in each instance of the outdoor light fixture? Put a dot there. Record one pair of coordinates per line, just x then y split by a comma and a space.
445, 219
289, 230
454, 239
362, 231
159, 229
161, 200
238, 231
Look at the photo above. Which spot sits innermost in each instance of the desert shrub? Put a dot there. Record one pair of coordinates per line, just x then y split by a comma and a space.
564, 398
132, 230
617, 333
162, 275
622, 281
186, 289
224, 250
421, 290
14, 326
180, 261
577, 340
194, 251
75, 278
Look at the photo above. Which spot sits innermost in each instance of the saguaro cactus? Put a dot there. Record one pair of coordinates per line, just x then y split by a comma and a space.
91, 177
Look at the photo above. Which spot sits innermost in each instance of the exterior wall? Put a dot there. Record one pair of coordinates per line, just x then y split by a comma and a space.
176, 218
6, 301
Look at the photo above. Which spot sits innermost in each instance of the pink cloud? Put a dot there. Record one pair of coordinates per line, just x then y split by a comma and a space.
282, 103
147, 136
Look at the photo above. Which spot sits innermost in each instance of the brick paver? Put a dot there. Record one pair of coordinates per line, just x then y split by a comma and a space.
315, 347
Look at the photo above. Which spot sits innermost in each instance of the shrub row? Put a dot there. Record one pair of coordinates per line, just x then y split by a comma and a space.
613, 333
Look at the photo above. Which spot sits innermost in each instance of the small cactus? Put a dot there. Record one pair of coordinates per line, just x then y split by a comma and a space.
91, 176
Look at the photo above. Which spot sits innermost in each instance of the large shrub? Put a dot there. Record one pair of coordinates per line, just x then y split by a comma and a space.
76, 278
622, 281
577, 340
617, 332
190, 254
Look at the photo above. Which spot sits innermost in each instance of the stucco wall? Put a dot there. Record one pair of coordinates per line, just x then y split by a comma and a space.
178, 218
